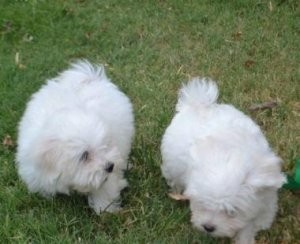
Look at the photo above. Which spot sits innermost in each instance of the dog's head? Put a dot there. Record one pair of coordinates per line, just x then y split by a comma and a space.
231, 189
76, 150
223, 216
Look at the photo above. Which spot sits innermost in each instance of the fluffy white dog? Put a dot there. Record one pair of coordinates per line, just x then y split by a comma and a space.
75, 135
219, 159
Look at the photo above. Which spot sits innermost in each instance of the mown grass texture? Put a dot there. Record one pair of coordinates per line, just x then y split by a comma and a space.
148, 48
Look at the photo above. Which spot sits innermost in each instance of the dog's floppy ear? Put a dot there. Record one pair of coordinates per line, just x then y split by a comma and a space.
47, 153
267, 173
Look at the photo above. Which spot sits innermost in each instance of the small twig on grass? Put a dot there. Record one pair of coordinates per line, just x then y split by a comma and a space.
263, 106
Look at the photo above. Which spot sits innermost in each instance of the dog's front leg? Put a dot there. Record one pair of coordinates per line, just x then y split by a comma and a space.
246, 235
107, 197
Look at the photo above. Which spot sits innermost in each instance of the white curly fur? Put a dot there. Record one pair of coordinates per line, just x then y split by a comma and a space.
73, 129
220, 160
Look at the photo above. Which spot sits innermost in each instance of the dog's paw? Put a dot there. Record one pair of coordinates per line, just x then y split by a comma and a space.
113, 208
101, 206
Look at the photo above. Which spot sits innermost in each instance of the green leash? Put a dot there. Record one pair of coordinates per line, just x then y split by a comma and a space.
293, 182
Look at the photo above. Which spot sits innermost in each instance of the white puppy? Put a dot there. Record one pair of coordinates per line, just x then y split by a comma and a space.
75, 135
220, 160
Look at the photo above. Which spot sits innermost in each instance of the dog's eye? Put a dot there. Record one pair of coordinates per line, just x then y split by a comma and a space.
85, 156
109, 167
231, 213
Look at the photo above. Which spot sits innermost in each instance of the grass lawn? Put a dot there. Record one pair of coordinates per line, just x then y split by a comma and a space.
149, 48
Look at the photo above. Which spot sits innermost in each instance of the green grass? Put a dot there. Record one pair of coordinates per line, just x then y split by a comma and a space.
149, 48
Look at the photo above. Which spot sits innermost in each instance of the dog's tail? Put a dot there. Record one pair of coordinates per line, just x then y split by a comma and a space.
198, 92
83, 70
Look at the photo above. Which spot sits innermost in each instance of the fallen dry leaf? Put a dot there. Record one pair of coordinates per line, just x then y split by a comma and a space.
249, 63
177, 196
263, 106
237, 35
7, 141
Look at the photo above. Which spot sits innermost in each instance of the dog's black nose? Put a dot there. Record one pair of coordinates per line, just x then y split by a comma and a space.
109, 167
209, 228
